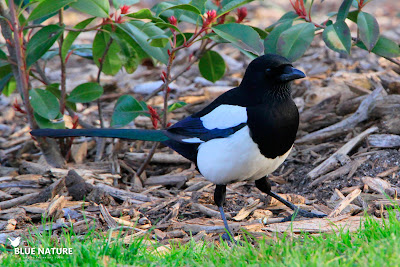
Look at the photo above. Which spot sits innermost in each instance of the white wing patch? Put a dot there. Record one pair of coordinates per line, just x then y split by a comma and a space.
224, 116
193, 140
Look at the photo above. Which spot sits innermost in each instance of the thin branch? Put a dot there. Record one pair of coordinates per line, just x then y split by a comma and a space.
100, 141
62, 61
98, 78
392, 60
147, 161
17, 55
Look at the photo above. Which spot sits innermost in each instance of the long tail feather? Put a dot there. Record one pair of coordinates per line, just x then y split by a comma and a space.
134, 134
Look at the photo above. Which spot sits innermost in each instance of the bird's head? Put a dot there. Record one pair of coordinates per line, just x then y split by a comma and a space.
272, 73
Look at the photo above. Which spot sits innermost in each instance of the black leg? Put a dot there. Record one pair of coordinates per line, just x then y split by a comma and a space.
264, 186
219, 199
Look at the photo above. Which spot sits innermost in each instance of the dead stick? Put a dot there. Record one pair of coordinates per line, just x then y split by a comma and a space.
344, 203
332, 161
360, 115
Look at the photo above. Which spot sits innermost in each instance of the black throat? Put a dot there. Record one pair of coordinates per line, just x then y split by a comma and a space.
273, 123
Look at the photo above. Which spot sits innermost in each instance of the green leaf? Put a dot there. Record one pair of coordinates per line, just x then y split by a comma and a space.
157, 36
176, 105
45, 123
4, 81
272, 38
54, 89
135, 31
240, 35
10, 87
184, 7
368, 29
144, 14
384, 47
111, 62
85, 92
73, 35
122, 37
337, 37
212, 66
48, 6
353, 15
41, 42
229, 5
126, 110
44, 103
263, 34
293, 42
287, 17
159, 40
97, 8
118, 3
181, 15
129, 56
343, 10
180, 40
200, 5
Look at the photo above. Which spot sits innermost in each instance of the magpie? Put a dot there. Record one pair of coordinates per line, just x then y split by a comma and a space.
243, 135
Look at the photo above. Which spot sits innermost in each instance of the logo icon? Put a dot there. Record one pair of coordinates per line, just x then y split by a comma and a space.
15, 243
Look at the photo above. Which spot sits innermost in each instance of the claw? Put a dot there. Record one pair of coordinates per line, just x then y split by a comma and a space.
303, 213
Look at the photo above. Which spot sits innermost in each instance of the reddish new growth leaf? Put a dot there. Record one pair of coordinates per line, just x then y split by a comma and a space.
299, 8
242, 14
221, 20
17, 107
217, 3
173, 20
125, 9
209, 18
154, 116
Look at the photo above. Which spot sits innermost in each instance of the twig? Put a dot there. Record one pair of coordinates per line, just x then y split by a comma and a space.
17, 55
62, 61
332, 161
344, 203
392, 60
148, 159
98, 78
101, 141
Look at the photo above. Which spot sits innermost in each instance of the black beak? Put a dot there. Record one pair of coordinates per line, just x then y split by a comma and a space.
290, 74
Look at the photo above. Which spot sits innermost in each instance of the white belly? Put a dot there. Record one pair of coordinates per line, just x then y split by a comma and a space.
235, 158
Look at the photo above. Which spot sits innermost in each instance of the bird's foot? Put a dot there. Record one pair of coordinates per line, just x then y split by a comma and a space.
304, 213
230, 240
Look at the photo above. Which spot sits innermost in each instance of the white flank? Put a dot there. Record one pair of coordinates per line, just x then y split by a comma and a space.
224, 116
193, 140
235, 158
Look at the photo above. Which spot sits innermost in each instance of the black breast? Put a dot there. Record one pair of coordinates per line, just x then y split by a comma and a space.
273, 126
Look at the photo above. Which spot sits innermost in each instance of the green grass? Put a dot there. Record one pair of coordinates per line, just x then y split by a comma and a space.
376, 244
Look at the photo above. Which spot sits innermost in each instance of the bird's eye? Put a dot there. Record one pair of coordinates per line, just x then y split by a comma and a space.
267, 70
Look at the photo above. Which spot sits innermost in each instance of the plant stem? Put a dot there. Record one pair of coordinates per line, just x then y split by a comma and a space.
62, 61
17, 55
100, 141
98, 78
15, 46
147, 161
